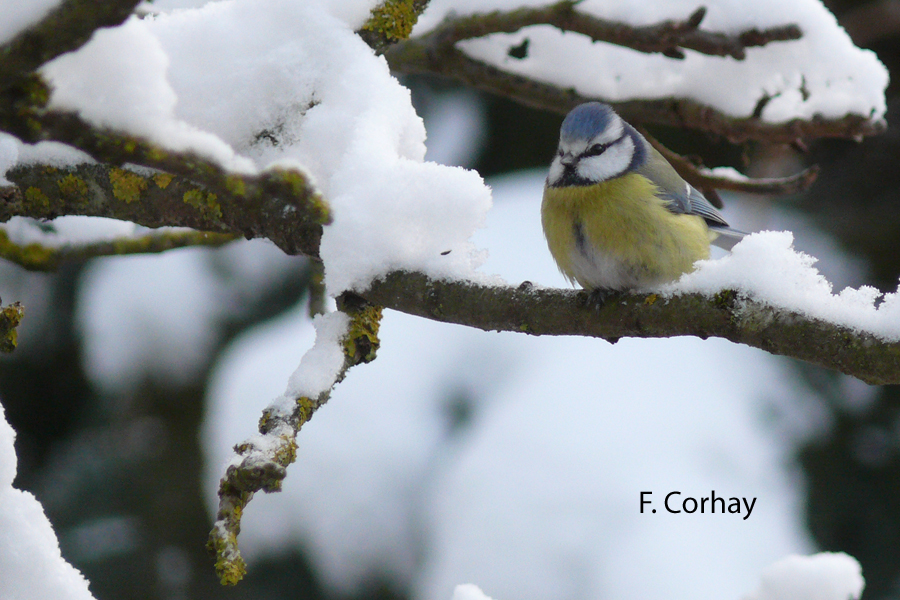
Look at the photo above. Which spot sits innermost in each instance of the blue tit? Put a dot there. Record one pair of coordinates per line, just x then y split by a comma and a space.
615, 213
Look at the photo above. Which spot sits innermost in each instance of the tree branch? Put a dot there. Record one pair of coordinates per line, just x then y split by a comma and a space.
708, 182
390, 22
36, 257
280, 205
670, 38
431, 55
728, 315
65, 28
261, 462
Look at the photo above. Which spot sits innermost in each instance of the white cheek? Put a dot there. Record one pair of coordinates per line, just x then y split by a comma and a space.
611, 163
556, 171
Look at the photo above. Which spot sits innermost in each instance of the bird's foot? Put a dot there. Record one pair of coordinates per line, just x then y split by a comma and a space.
598, 297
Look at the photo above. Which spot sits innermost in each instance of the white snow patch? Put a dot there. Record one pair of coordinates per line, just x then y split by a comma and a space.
824, 576
31, 566
822, 73
149, 316
118, 80
320, 366
468, 591
766, 267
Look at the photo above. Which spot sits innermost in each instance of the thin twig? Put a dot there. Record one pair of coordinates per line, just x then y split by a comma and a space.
669, 37
708, 182
261, 462
36, 257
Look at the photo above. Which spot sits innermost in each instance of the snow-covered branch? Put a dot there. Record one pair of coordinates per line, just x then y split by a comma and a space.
344, 339
669, 37
64, 28
415, 57
279, 205
727, 314
35, 256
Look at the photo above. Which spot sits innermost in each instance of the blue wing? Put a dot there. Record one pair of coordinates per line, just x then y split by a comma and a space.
681, 198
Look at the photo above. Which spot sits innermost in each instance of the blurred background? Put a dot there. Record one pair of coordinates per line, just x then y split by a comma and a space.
460, 456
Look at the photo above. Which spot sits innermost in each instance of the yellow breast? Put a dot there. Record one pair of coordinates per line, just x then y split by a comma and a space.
618, 234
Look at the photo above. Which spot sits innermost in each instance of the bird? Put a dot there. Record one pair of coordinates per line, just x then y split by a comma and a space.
616, 215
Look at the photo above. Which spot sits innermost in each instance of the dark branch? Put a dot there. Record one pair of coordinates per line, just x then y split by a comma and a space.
415, 57
65, 28
565, 312
278, 205
35, 257
669, 37
793, 184
707, 182
435, 53
263, 462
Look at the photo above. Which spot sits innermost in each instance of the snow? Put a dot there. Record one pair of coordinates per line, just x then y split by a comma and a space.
250, 85
52, 154
824, 576
68, 230
74, 230
320, 367
536, 492
31, 566
468, 591
823, 73
16, 16
766, 267
118, 80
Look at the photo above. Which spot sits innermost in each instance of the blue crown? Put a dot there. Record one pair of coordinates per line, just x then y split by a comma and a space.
586, 120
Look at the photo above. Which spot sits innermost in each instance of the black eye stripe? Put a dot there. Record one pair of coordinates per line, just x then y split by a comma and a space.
596, 150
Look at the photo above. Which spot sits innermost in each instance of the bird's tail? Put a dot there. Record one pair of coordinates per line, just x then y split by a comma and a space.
726, 237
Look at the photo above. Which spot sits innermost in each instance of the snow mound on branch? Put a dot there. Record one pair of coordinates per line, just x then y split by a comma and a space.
822, 73
251, 85
766, 267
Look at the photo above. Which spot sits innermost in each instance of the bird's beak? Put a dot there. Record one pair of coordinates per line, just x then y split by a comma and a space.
567, 160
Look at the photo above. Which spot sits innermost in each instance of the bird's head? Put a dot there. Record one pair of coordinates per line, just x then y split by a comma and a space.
595, 145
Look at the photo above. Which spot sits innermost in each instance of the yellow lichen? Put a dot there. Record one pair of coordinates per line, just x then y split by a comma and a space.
126, 186
393, 18
73, 188
10, 317
286, 452
651, 299
305, 410
206, 202
162, 180
361, 343
235, 185
37, 198
156, 154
